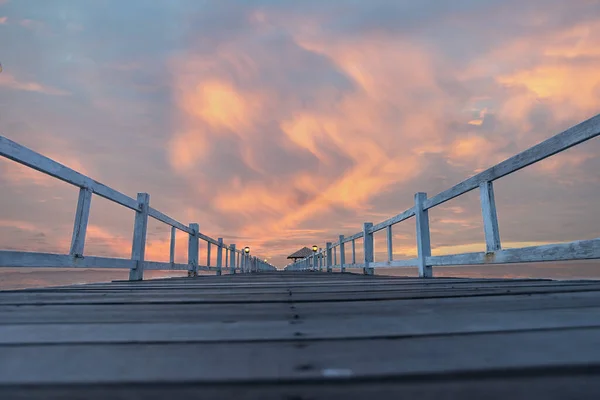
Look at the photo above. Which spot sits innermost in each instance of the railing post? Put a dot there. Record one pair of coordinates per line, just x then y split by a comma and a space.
342, 254
138, 248
334, 256
193, 250
172, 249
368, 248
208, 247
390, 250
232, 260
226, 257
423, 236
490, 217
82, 215
353, 251
321, 259
220, 256
314, 261
329, 258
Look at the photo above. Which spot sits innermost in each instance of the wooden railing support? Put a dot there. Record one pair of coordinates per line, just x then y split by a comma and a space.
140, 228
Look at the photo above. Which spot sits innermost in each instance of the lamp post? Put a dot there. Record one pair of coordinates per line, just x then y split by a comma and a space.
314, 257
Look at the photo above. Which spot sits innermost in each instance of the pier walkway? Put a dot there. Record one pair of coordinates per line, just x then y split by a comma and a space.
302, 335
251, 332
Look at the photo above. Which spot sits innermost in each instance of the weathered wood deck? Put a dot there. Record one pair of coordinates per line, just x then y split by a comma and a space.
303, 336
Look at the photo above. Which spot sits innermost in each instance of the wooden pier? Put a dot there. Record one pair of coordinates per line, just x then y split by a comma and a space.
303, 335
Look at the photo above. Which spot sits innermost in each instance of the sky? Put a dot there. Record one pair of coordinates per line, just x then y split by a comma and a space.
283, 124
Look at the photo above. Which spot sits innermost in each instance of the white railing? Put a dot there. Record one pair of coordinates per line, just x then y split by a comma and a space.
494, 254
235, 259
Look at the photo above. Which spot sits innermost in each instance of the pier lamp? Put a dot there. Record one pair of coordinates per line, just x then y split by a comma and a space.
247, 250
315, 248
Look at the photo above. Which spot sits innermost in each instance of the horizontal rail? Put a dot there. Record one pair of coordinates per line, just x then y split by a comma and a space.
414, 262
50, 260
578, 250
169, 221
394, 220
30, 158
563, 141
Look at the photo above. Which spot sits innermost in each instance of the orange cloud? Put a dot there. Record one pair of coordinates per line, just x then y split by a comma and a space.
377, 127
3, 19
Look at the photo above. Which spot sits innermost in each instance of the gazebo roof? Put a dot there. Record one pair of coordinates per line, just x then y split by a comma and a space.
302, 253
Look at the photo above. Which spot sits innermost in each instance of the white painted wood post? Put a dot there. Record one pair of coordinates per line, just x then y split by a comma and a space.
82, 216
172, 250
353, 251
342, 254
233, 259
138, 248
334, 256
226, 257
321, 260
193, 250
220, 256
423, 236
329, 256
390, 250
208, 254
368, 248
490, 217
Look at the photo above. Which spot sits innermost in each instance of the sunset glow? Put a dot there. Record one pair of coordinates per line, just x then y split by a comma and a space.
276, 125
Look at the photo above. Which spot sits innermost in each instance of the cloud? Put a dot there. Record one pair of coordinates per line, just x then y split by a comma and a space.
281, 124
10, 81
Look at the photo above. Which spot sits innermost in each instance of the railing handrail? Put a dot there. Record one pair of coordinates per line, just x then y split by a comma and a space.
88, 186
577, 250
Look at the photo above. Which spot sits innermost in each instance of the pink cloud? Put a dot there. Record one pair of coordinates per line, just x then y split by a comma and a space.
10, 81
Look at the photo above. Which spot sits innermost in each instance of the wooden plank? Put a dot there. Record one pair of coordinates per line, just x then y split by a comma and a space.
563, 141
539, 385
310, 328
448, 355
225, 313
31, 159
